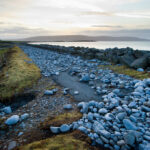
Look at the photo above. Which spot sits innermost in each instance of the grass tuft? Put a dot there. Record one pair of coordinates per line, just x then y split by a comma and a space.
17, 75
127, 71
70, 141
58, 120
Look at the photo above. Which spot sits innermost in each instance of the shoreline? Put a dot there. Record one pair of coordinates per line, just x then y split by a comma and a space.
125, 56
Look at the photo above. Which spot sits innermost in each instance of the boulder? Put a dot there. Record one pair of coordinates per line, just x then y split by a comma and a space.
12, 120
141, 62
126, 59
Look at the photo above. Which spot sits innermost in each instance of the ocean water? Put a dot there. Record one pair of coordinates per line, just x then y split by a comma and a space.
103, 45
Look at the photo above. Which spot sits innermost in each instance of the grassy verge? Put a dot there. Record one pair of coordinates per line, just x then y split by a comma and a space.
70, 141
18, 74
127, 71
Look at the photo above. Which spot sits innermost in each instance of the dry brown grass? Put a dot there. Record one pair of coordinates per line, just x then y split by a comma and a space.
18, 74
127, 71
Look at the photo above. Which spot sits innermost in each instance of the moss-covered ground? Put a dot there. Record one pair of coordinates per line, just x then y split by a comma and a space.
18, 73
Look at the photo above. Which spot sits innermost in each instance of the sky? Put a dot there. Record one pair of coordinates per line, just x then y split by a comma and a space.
27, 18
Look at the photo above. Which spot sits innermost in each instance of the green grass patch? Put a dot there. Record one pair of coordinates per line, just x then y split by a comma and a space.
17, 75
70, 141
127, 71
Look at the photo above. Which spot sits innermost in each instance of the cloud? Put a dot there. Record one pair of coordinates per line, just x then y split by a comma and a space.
107, 26
137, 14
21, 32
141, 33
97, 13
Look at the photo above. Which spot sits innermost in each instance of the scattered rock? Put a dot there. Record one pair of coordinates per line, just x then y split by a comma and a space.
55, 130
64, 128
24, 116
12, 145
68, 106
7, 110
12, 120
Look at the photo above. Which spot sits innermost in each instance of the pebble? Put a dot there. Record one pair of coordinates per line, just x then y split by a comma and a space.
24, 116
76, 92
68, 106
49, 92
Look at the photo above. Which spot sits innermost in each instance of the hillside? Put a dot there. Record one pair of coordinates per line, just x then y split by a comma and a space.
80, 38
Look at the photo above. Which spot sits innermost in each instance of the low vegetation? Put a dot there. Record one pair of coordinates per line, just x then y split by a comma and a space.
18, 74
127, 71
75, 140
70, 141
58, 120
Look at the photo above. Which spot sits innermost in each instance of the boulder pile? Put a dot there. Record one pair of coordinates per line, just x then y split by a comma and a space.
126, 56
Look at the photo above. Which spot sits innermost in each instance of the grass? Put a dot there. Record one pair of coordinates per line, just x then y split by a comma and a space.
75, 140
58, 120
70, 141
18, 74
127, 71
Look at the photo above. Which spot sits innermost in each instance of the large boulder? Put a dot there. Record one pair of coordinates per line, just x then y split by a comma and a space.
127, 59
141, 62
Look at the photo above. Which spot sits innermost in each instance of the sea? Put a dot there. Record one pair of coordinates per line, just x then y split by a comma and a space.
139, 45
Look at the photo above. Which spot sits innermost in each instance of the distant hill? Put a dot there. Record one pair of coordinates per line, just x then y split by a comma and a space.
80, 38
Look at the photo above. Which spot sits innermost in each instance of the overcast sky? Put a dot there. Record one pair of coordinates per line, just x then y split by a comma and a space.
26, 18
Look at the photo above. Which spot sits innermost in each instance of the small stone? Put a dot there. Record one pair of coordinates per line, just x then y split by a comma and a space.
132, 118
7, 110
105, 133
76, 92
68, 106
64, 128
121, 116
132, 105
99, 141
108, 117
12, 120
85, 78
121, 142
20, 133
90, 116
83, 129
12, 145
146, 109
103, 111
54, 129
116, 147
24, 116
140, 69
129, 125
129, 138
146, 137
49, 92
